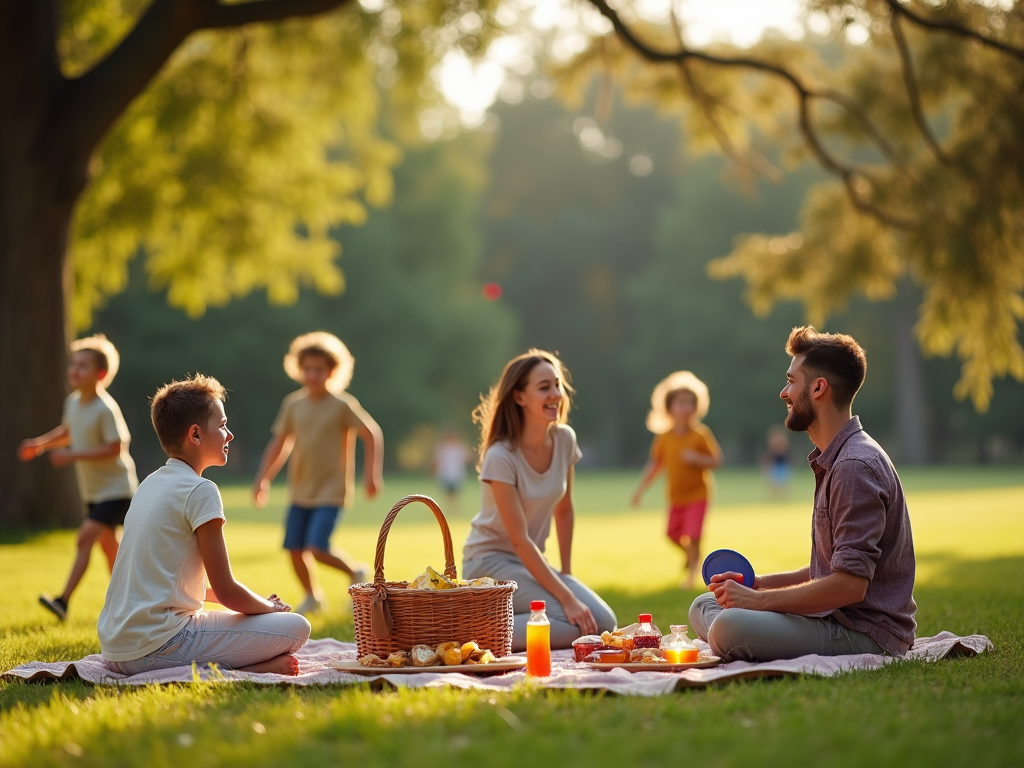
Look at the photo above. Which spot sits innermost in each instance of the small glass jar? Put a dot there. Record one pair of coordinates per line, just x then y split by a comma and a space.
678, 647
647, 635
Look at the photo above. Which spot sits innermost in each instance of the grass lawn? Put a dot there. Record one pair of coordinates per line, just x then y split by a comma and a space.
969, 533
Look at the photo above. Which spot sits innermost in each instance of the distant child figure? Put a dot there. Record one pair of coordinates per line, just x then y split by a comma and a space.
153, 617
776, 462
687, 451
451, 456
93, 436
316, 427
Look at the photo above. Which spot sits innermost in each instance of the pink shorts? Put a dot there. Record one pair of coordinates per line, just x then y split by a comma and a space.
687, 520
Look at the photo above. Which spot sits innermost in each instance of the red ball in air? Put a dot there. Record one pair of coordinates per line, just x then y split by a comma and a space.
491, 291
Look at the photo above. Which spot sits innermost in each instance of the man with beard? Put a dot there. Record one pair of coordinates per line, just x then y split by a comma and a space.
856, 595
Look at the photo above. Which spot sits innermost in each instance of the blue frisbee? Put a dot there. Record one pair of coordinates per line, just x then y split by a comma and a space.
723, 560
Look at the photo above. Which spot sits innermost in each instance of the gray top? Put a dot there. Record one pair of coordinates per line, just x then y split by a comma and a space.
861, 526
538, 492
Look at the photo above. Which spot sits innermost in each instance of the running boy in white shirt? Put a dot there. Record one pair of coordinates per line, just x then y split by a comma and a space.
173, 542
93, 436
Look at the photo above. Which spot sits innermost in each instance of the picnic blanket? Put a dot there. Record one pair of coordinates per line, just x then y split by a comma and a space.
316, 655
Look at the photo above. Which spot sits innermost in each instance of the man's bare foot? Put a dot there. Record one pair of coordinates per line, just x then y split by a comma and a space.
285, 664
687, 583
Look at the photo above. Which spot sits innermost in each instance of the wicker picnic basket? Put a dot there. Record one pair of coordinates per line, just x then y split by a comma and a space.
390, 617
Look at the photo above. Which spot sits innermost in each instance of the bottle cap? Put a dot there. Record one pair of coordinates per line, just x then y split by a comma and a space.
538, 605
680, 628
644, 617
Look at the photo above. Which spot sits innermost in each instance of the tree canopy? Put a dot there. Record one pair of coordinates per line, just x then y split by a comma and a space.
251, 144
919, 122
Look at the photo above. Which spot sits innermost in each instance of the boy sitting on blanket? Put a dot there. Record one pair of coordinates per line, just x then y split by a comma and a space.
153, 617
856, 596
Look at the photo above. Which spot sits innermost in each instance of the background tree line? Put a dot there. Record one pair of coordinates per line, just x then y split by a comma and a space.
605, 264
228, 142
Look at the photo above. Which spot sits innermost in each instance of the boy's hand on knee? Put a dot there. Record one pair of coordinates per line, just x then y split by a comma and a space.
279, 605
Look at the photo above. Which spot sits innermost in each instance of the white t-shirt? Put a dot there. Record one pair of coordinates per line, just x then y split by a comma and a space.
538, 492
450, 457
159, 580
93, 425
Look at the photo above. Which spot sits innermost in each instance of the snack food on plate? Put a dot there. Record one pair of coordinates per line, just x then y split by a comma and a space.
449, 654
609, 656
423, 656
647, 655
468, 649
445, 647
399, 659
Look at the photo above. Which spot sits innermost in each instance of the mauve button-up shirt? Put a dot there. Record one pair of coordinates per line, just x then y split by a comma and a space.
861, 526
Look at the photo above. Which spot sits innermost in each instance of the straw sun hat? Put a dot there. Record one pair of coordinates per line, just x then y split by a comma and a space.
322, 343
659, 420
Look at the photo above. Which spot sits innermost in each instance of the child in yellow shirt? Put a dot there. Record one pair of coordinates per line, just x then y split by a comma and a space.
687, 451
317, 427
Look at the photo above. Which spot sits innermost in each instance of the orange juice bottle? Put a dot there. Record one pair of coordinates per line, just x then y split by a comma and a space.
538, 641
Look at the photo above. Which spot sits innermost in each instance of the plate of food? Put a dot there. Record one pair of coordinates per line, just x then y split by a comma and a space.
464, 658
646, 660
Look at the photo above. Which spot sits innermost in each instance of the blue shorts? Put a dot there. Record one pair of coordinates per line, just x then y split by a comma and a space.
780, 474
310, 528
449, 486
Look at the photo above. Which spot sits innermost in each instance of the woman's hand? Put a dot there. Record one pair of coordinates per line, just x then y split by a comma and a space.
576, 612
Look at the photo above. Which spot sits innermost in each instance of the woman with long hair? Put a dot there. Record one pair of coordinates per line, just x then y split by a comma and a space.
527, 455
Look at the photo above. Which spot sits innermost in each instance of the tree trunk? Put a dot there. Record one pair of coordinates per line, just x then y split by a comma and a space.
38, 187
911, 399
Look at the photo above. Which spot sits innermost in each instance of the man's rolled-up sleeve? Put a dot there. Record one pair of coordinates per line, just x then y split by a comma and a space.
858, 518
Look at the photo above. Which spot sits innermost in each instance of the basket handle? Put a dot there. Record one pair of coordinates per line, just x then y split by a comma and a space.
381, 623
382, 539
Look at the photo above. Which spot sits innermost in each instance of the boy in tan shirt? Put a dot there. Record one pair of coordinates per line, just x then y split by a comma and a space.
93, 436
316, 427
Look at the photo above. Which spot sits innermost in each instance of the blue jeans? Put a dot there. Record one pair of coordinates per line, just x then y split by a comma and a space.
738, 634
230, 640
310, 527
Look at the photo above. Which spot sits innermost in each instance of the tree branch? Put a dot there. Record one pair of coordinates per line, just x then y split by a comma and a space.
913, 94
956, 29
853, 179
750, 162
90, 104
217, 15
